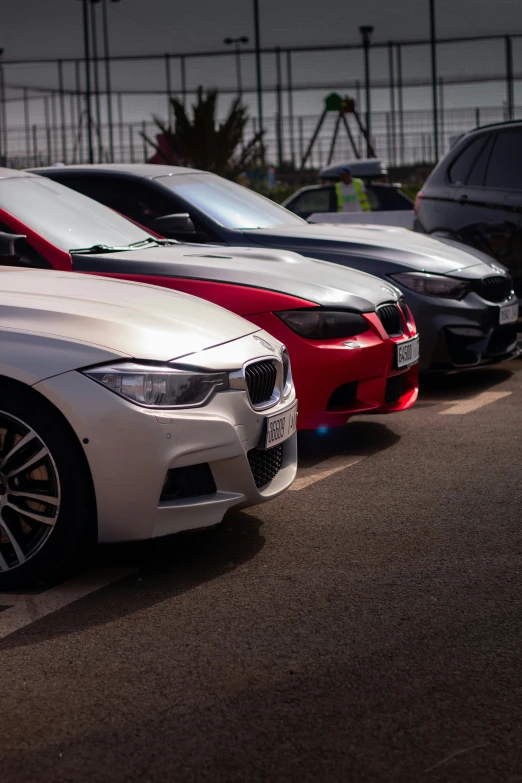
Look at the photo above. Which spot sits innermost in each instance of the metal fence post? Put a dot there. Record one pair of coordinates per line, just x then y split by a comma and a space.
108, 85
358, 105
183, 80
35, 146
54, 125
290, 105
48, 130
400, 103
79, 110
279, 118
121, 126
3, 118
388, 137
143, 132
393, 146
87, 56
301, 139
433, 48
27, 122
131, 142
509, 77
62, 111
168, 87
441, 115
72, 112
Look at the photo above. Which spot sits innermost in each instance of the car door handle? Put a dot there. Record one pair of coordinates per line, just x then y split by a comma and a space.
463, 199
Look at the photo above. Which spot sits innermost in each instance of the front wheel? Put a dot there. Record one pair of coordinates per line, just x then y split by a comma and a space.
45, 495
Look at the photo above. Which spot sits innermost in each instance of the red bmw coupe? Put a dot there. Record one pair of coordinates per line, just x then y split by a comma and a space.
351, 338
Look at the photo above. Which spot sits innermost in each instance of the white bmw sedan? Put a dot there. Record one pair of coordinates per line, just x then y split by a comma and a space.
129, 412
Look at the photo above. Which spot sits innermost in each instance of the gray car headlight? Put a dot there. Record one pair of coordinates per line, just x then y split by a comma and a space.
319, 324
433, 285
159, 387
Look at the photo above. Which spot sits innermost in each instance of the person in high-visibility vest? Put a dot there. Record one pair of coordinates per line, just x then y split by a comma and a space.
350, 192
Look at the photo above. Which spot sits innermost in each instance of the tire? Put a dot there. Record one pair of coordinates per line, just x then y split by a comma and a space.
40, 535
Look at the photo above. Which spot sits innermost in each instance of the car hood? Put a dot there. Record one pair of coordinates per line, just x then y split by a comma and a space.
120, 318
276, 270
402, 248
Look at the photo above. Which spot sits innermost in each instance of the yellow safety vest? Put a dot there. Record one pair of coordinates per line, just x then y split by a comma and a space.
361, 195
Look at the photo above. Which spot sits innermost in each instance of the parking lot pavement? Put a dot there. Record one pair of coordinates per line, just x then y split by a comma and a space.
366, 626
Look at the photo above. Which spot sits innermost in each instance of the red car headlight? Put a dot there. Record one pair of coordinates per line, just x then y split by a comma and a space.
324, 324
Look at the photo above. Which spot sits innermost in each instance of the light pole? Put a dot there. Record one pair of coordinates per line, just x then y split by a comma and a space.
94, 51
108, 86
434, 79
3, 127
366, 34
237, 46
259, 80
87, 61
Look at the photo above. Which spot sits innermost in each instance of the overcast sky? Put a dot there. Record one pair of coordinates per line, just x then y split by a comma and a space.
32, 28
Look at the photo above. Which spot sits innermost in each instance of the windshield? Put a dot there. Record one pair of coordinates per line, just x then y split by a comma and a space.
231, 205
64, 217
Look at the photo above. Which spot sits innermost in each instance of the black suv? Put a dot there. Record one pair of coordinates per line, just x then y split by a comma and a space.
474, 195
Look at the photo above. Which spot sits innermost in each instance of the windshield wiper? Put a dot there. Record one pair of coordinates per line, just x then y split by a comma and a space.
95, 249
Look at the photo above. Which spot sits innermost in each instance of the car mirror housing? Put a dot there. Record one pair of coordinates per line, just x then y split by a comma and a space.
8, 244
173, 224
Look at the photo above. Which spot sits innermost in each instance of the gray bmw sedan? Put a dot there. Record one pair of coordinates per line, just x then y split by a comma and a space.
463, 301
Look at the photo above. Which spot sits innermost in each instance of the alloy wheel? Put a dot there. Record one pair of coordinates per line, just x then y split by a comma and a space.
29, 492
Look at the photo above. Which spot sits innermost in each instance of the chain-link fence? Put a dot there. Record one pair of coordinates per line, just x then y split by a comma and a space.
44, 111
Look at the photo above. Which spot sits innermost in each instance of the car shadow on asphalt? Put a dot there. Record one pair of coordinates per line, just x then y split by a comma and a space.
160, 569
356, 439
438, 388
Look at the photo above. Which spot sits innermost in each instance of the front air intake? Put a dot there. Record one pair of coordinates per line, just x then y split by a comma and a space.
265, 464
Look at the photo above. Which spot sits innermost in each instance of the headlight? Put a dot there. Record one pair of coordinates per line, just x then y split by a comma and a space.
433, 285
324, 324
159, 387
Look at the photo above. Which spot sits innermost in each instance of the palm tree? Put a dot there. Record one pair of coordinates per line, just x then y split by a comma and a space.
202, 143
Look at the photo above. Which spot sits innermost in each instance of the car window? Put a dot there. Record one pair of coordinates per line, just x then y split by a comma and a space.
505, 164
478, 172
64, 217
316, 200
139, 202
229, 204
388, 197
461, 167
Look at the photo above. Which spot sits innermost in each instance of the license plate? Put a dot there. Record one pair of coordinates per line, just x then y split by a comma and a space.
408, 352
508, 314
280, 426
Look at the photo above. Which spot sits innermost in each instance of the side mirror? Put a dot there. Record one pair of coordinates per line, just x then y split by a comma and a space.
8, 244
173, 224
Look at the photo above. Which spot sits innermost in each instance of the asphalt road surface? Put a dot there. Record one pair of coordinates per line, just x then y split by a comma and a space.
367, 626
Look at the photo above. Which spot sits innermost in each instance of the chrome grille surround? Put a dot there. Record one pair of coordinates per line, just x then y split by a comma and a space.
288, 382
262, 379
390, 316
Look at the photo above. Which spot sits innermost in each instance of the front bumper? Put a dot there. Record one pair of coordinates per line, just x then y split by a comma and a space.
334, 381
130, 451
461, 334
